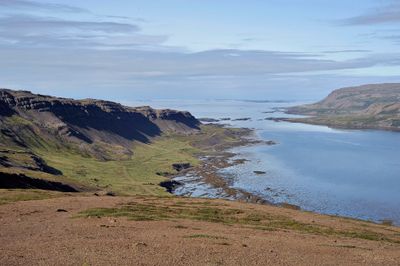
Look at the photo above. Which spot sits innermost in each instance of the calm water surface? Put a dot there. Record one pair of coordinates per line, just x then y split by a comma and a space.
353, 173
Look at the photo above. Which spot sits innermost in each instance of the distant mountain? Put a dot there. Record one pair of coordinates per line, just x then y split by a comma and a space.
31, 124
375, 106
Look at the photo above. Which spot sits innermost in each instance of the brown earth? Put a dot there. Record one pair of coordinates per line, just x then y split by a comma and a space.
52, 232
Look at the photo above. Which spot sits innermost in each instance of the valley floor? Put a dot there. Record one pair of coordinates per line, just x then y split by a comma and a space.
143, 230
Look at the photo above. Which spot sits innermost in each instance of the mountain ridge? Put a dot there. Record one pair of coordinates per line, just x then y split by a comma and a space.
87, 121
35, 129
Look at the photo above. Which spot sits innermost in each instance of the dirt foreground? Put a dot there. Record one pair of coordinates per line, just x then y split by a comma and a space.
55, 232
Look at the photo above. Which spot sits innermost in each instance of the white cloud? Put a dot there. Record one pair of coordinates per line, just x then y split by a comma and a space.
380, 15
102, 53
32, 5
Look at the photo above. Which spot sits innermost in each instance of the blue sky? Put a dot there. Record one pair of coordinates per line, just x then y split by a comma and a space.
128, 50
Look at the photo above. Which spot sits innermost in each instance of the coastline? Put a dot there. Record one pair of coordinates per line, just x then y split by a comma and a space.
207, 175
171, 230
207, 172
331, 124
338, 126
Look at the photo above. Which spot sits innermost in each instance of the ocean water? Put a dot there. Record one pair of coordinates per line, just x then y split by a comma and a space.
353, 173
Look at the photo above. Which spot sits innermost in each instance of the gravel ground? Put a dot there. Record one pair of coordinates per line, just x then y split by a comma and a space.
47, 232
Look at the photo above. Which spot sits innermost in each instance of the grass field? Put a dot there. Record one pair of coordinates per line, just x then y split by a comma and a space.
134, 176
128, 175
13, 195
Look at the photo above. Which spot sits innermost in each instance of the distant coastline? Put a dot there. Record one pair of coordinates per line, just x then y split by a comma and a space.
332, 123
373, 106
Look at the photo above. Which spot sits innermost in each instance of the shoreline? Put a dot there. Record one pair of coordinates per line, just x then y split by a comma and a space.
207, 173
336, 126
211, 163
331, 121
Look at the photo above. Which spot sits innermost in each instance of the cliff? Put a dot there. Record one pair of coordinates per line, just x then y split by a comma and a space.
31, 123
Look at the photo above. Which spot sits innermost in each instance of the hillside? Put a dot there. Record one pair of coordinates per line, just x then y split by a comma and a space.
375, 106
87, 143
80, 184
86, 121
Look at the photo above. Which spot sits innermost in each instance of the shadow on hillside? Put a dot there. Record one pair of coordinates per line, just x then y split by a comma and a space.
131, 126
12, 181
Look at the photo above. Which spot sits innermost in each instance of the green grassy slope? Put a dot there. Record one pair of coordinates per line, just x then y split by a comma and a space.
94, 145
134, 174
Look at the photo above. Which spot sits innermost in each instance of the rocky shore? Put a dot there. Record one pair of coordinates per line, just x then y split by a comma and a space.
207, 174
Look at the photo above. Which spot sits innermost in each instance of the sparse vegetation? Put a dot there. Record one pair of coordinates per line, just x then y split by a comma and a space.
166, 210
205, 236
13, 195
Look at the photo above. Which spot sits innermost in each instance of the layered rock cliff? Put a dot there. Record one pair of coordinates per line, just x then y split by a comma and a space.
90, 120
101, 129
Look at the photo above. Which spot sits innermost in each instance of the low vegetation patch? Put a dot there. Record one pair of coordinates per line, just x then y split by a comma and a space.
163, 210
205, 236
14, 195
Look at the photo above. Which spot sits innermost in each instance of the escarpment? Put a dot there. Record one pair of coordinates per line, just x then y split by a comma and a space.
101, 129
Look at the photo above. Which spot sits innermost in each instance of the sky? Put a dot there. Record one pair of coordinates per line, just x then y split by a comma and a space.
197, 49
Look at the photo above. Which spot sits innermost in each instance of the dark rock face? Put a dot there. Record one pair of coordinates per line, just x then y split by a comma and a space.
242, 119
5, 110
170, 185
185, 118
181, 166
10, 181
27, 160
259, 172
209, 120
4, 161
80, 119
43, 167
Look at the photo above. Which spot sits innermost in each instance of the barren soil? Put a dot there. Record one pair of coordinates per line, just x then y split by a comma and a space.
54, 232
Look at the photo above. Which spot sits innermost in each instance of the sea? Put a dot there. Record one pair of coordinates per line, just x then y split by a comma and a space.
351, 173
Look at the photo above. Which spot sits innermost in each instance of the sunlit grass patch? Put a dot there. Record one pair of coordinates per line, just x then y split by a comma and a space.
160, 210
14, 195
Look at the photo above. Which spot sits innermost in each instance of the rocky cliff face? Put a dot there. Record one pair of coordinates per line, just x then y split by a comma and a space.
84, 110
93, 126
